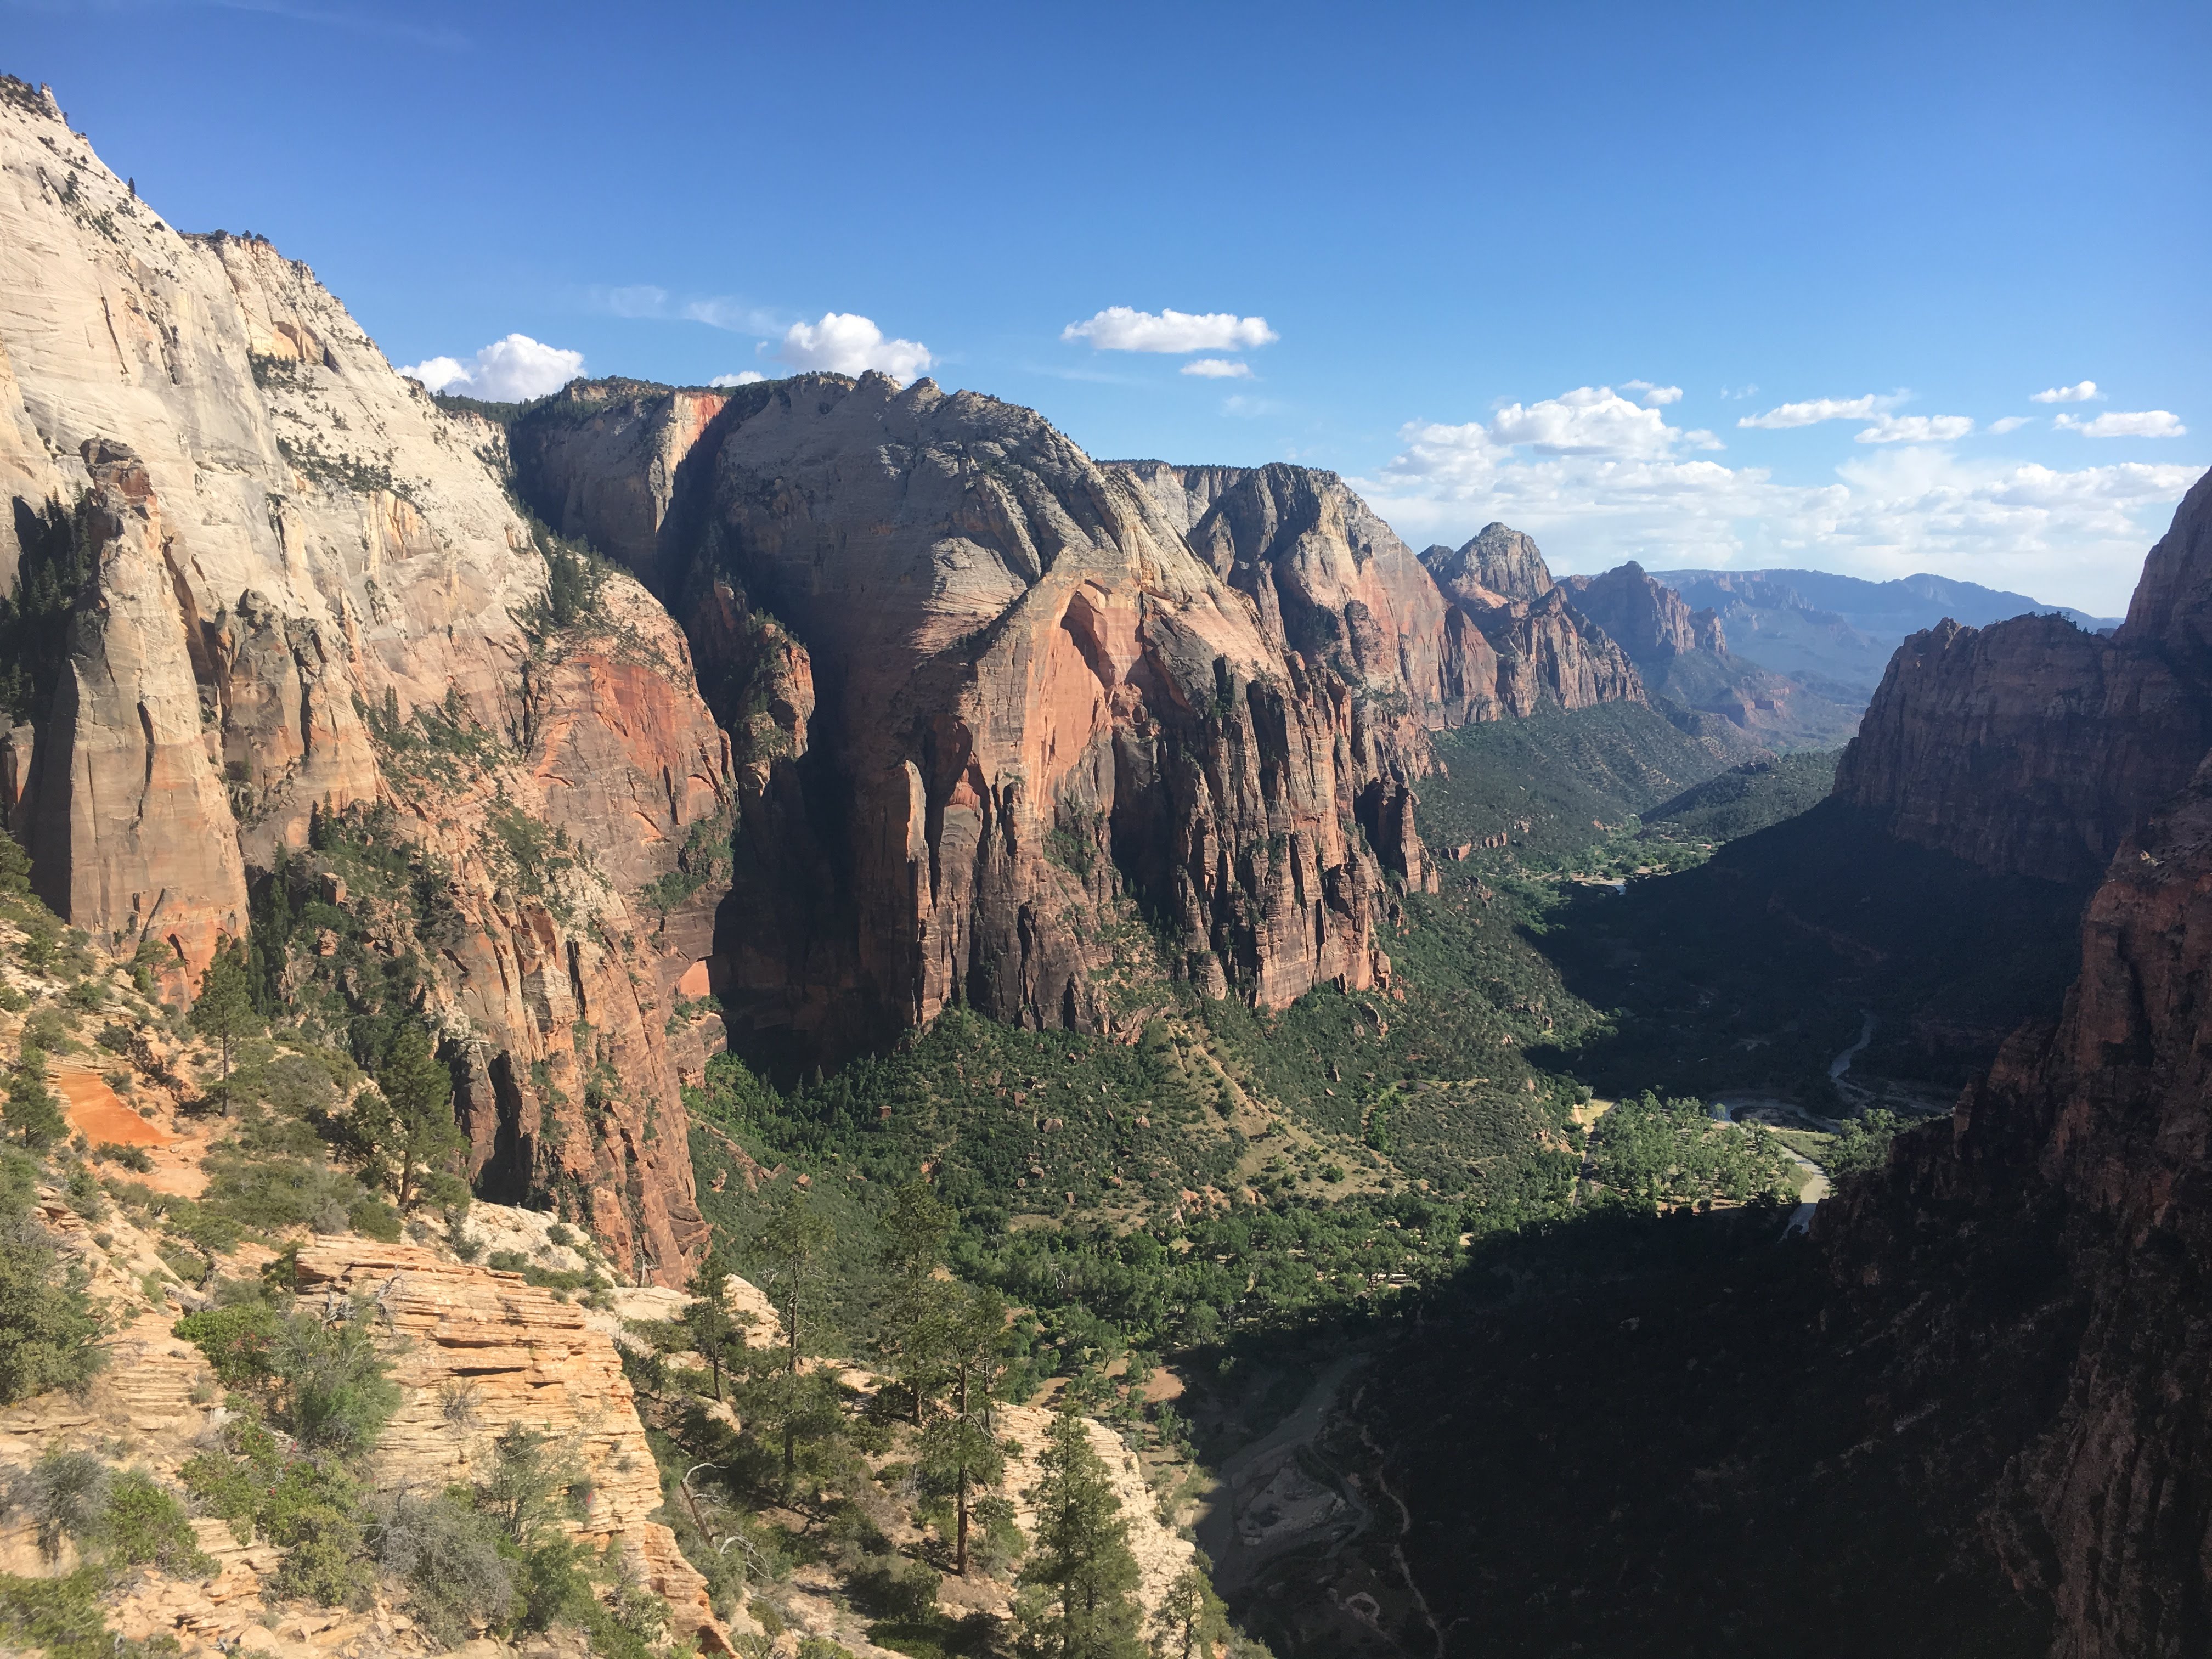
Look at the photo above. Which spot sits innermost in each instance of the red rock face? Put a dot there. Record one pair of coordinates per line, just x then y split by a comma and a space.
981, 690
2033, 748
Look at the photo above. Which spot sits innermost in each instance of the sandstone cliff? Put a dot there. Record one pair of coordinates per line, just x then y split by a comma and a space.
2032, 747
291, 586
986, 695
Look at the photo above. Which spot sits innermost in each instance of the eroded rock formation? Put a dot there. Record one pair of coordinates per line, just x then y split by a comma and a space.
1523, 642
300, 590
2033, 747
985, 694
1647, 618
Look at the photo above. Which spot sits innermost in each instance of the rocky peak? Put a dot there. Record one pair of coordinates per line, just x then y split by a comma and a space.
1498, 560
1650, 619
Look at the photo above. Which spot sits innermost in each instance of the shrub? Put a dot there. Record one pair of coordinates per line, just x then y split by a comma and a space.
240, 1342
48, 1327
143, 1525
324, 1383
311, 1506
135, 1158
371, 1218
456, 1577
334, 1393
62, 1496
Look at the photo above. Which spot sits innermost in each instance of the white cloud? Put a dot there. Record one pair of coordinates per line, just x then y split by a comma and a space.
843, 343
1650, 396
2081, 392
2141, 423
1737, 394
735, 315
743, 377
1588, 420
1915, 428
1247, 409
2009, 423
1119, 328
511, 370
1218, 369
2072, 536
1786, 416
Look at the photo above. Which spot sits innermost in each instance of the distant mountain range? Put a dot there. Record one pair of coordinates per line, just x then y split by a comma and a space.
1836, 634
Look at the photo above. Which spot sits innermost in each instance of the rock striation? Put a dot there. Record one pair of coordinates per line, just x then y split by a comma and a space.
480, 1350
295, 590
2033, 747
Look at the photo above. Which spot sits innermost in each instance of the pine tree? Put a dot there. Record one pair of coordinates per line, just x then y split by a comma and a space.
404, 1130
958, 1452
31, 1114
708, 1316
918, 1305
1194, 1616
795, 1240
224, 1011
1082, 1555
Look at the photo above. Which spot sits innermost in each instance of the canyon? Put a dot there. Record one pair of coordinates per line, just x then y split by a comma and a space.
689, 761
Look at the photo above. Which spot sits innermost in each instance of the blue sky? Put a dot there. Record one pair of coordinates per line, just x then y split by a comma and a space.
1461, 254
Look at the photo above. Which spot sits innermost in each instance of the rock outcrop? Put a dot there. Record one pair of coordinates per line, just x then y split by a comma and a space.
480, 1349
2032, 747
1498, 561
300, 595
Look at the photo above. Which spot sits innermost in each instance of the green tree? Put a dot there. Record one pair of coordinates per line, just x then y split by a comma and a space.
1194, 1616
49, 1329
918, 1307
402, 1133
31, 1114
959, 1451
795, 1242
707, 1317
224, 1011
1082, 1558
527, 1491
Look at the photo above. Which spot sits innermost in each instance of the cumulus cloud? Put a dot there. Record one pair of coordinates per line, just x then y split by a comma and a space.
1120, 328
743, 377
844, 344
511, 370
2009, 423
1588, 420
2141, 423
1218, 369
1650, 396
2076, 537
2081, 391
1812, 413
1915, 428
